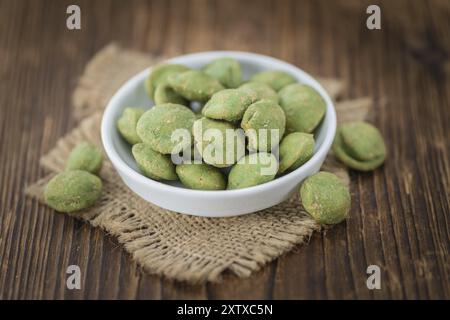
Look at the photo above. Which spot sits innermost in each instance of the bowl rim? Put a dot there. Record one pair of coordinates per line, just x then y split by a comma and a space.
122, 166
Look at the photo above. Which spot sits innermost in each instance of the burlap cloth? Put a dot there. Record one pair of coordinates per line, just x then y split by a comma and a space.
174, 245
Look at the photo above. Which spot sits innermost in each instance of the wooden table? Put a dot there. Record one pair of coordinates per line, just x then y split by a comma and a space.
400, 215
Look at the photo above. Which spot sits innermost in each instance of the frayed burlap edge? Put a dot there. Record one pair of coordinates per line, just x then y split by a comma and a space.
186, 248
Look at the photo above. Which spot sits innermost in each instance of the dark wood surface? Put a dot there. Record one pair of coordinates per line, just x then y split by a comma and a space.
400, 214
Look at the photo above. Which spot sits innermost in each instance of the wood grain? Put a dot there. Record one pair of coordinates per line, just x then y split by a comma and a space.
400, 214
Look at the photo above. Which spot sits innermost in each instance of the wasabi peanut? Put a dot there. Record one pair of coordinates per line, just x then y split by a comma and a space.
219, 142
304, 107
85, 156
326, 198
252, 170
159, 75
72, 190
201, 176
360, 146
229, 105
165, 94
259, 91
267, 115
153, 164
127, 124
194, 85
295, 149
157, 125
276, 79
226, 70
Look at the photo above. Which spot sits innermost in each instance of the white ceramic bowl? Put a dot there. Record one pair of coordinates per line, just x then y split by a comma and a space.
173, 195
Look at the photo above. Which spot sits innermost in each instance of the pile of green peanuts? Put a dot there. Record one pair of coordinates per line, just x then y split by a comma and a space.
78, 187
358, 145
268, 100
